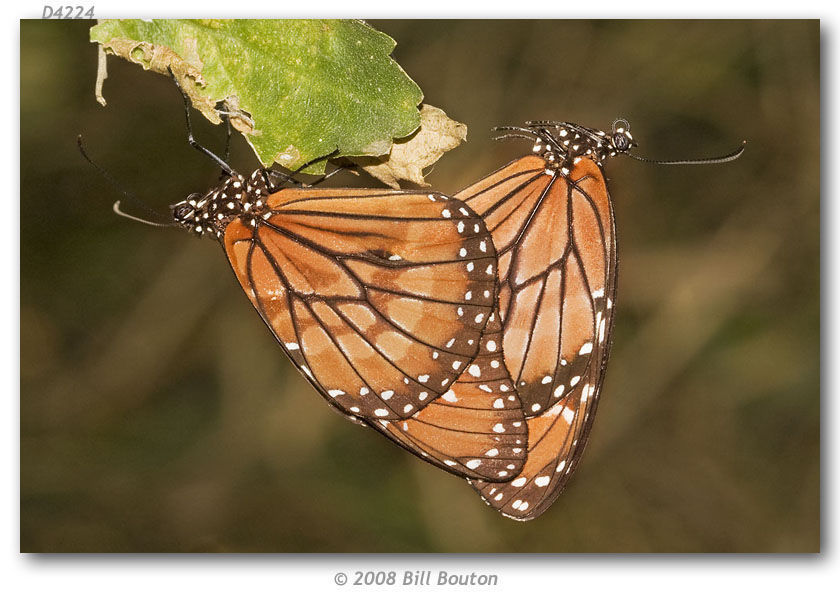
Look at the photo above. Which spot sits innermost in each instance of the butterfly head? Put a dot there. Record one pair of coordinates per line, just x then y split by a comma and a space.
621, 140
235, 197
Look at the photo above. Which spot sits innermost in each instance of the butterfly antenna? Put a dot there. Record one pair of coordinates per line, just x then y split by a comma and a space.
695, 161
122, 213
121, 190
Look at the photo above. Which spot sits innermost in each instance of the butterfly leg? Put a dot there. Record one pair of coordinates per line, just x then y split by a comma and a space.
289, 178
229, 129
191, 140
228, 135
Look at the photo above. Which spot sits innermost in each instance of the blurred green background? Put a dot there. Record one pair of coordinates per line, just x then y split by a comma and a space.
157, 413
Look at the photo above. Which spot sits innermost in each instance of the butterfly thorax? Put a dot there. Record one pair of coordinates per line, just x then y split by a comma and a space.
235, 197
563, 145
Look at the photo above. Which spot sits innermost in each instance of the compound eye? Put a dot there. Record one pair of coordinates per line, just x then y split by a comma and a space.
621, 142
182, 211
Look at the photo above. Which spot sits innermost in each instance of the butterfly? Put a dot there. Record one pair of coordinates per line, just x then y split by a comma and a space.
380, 298
552, 221
364, 289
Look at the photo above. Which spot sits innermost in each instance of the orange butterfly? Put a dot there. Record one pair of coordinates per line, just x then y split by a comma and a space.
552, 222
381, 299
378, 297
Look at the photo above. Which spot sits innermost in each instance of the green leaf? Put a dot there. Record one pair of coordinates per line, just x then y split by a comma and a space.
297, 89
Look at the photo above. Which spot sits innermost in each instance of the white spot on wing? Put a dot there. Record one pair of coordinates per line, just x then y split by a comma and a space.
568, 414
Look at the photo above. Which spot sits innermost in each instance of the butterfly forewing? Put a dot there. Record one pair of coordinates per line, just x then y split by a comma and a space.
556, 247
554, 237
380, 298
475, 429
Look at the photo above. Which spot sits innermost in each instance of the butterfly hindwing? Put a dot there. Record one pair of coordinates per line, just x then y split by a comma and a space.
475, 429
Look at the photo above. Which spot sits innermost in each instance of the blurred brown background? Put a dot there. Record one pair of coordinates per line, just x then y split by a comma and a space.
157, 414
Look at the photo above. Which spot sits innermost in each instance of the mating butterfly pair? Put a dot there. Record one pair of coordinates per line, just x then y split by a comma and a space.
471, 330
